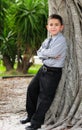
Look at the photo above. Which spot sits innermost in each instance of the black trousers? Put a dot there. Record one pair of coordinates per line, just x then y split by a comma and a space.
40, 94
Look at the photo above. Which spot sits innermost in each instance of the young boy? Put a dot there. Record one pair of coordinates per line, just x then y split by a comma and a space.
41, 90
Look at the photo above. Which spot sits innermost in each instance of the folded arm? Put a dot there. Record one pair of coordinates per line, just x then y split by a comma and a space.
53, 52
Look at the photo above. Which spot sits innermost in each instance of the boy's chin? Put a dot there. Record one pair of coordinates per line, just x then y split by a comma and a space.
54, 34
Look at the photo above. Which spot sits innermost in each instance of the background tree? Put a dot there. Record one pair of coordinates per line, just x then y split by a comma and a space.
22, 31
7, 37
66, 109
29, 29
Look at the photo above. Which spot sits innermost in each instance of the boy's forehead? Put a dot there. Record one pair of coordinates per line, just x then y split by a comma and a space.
53, 20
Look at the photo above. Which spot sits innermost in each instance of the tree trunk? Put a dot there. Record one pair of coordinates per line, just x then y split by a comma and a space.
24, 60
7, 62
26, 63
66, 109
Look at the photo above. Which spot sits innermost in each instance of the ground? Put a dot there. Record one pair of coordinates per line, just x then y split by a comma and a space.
12, 102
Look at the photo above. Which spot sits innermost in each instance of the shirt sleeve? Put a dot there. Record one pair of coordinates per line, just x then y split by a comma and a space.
56, 49
40, 53
41, 49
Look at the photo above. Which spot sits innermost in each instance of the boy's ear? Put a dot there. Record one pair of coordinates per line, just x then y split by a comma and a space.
62, 27
47, 27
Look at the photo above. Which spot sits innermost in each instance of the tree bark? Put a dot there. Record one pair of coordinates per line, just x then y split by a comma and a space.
66, 109
24, 62
7, 62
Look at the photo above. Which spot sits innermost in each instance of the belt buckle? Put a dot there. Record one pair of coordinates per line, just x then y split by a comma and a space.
44, 68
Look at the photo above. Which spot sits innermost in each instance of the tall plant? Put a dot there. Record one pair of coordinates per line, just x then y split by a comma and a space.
23, 27
30, 20
7, 39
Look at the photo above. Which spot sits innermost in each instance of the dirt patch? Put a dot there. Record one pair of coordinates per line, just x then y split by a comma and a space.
12, 102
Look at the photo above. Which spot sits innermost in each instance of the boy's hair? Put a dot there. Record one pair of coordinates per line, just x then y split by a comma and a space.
56, 16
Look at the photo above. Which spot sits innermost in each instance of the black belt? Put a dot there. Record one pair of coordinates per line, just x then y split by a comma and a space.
46, 68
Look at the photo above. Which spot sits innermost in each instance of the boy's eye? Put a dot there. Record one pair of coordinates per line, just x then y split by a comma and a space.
56, 24
51, 24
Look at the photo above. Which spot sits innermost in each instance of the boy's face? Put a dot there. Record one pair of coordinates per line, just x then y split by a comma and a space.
54, 26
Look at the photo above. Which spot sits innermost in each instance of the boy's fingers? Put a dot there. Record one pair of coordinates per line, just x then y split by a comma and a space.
58, 57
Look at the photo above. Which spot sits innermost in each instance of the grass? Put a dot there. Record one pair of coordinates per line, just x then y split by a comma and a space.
2, 68
32, 70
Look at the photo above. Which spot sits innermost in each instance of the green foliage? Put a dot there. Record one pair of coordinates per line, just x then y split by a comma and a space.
30, 19
22, 23
7, 36
8, 46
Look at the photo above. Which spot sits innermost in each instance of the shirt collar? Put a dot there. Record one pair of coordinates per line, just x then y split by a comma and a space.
55, 36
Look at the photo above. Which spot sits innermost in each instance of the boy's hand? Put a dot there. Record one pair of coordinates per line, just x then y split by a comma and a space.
57, 57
